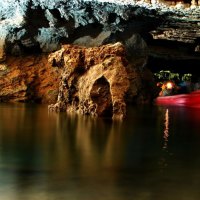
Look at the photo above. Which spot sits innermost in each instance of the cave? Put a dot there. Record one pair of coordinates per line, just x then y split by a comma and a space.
155, 35
80, 116
177, 57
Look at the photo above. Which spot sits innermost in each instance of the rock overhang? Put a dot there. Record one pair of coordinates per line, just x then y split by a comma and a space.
46, 24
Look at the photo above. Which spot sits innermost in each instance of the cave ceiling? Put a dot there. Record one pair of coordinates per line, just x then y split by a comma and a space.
46, 24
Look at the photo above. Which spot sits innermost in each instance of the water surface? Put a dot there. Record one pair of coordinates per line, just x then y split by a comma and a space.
154, 154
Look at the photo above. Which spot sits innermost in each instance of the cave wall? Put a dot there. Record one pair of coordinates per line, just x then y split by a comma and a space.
29, 27
43, 25
28, 79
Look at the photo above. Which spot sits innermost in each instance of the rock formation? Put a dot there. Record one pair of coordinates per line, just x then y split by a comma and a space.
28, 79
30, 27
98, 81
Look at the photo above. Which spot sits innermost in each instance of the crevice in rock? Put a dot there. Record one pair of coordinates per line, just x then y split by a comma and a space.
101, 97
112, 17
82, 31
35, 18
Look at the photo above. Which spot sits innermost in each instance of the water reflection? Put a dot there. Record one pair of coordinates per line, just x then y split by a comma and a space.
166, 129
58, 156
42, 152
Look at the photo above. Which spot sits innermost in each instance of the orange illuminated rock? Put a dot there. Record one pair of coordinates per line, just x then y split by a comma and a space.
28, 78
94, 80
98, 81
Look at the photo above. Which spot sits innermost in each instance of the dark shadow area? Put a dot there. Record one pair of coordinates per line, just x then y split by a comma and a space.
100, 95
177, 57
83, 31
175, 66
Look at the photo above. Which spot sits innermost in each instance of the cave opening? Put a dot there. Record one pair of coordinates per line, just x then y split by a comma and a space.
174, 56
101, 96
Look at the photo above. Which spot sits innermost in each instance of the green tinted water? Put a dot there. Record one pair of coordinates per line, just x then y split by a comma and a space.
154, 154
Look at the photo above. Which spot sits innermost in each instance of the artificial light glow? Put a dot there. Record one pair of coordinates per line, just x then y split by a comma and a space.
169, 85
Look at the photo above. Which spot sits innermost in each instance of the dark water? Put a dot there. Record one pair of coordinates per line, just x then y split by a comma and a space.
153, 155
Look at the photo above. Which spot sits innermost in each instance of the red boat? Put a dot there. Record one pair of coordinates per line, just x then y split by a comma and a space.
189, 100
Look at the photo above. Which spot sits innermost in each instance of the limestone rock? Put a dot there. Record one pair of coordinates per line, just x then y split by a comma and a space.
43, 26
47, 24
28, 79
98, 81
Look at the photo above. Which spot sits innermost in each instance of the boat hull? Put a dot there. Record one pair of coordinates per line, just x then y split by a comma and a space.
189, 100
